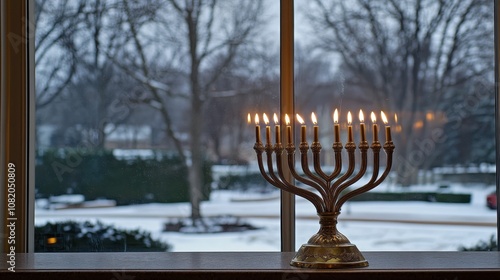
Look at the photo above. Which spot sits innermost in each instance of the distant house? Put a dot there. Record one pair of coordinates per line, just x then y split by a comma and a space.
128, 136
44, 135
117, 137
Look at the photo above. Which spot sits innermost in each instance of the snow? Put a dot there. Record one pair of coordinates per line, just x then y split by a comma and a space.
133, 153
372, 226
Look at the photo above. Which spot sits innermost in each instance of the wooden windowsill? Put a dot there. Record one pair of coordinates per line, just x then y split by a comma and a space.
247, 265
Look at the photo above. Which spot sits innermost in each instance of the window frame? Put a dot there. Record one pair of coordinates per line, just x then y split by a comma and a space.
17, 127
497, 102
17, 119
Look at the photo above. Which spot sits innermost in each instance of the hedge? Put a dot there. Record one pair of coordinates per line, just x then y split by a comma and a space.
243, 182
70, 236
414, 196
98, 174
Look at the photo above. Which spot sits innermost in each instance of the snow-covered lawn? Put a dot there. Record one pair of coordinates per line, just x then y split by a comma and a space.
411, 226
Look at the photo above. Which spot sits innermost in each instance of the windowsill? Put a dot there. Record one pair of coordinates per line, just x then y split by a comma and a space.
248, 265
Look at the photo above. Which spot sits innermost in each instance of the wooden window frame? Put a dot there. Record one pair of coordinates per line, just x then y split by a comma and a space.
17, 116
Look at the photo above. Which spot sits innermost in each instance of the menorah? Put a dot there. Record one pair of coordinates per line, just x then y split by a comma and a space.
328, 248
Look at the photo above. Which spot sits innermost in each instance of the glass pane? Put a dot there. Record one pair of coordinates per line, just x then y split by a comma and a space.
142, 140
429, 65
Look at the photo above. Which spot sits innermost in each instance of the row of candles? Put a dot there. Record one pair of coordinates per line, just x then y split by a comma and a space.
350, 137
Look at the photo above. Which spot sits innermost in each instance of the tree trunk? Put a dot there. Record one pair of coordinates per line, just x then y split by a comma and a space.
195, 170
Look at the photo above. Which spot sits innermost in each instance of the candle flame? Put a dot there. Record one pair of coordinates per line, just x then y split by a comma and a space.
266, 119
374, 118
299, 118
336, 116
361, 116
384, 118
313, 118
287, 119
249, 118
275, 117
395, 117
349, 118
256, 119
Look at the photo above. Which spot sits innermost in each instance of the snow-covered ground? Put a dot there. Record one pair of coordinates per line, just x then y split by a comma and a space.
372, 226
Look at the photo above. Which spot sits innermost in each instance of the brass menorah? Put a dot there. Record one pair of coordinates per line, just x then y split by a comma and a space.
328, 248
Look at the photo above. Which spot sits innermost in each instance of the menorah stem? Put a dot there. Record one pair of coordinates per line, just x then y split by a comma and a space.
350, 147
337, 148
389, 148
363, 147
321, 184
316, 149
312, 197
259, 149
325, 177
282, 183
277, 182
328, 233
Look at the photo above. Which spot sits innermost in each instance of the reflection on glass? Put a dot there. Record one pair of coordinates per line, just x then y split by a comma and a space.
141, 126
430, 67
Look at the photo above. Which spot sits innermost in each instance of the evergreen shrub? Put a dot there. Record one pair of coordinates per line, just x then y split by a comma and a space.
99, 174
71, 236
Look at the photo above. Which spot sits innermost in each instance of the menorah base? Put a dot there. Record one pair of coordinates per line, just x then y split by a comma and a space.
328, 248
321, 256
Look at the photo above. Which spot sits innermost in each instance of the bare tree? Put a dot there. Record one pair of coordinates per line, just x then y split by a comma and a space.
409, 57
241, 90
193, 43
76, 41
55, 47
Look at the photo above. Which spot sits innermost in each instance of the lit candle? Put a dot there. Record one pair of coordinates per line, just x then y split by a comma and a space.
302, 128
288, 129
362, 126
277, 128
257, 129
388, 136
349, 127
315, 127
375, 127
336, 125
268, 128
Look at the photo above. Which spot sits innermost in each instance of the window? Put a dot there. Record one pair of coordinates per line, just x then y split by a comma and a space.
429, 67
145, 109
133, 132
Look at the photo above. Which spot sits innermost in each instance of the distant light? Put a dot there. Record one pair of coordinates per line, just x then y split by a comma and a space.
429, 116
418, 124
51, 240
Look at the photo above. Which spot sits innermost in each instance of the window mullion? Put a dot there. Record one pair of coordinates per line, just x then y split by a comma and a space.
287, 107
